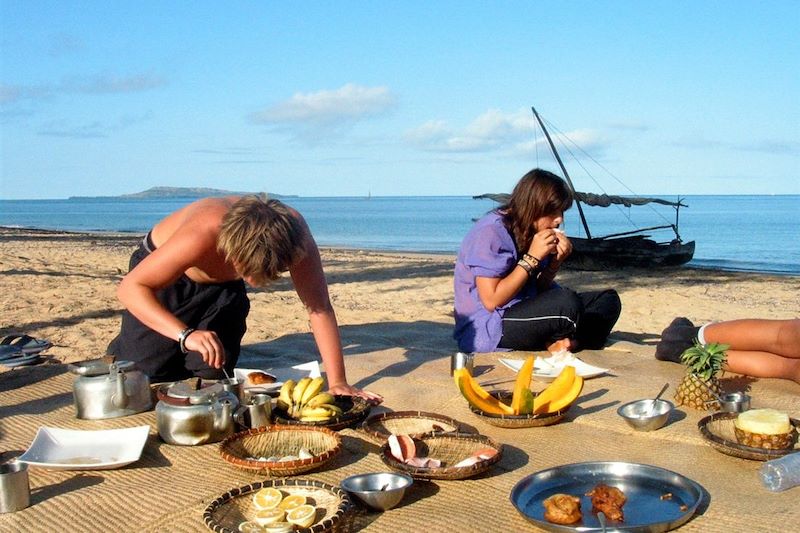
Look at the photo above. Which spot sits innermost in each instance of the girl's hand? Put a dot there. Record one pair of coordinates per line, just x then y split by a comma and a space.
563, 248
544, 243
347, 390
208, 345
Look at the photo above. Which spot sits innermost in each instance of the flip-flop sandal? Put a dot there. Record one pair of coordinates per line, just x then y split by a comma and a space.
25, 360
26, 343
9, 352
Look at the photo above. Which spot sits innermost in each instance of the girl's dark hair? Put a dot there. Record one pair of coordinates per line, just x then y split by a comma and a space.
537, 194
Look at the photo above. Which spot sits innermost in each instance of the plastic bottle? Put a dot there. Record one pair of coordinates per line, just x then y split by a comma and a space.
781, 474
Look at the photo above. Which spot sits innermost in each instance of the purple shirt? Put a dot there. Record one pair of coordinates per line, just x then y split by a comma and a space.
487, 251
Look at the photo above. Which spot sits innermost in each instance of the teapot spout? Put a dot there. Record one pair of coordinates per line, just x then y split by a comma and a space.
225, 419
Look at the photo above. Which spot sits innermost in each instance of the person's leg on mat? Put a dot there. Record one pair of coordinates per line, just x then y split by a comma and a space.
537, 323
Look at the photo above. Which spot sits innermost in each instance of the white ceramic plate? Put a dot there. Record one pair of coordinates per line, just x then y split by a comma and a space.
70, 449
544, 371
310, 369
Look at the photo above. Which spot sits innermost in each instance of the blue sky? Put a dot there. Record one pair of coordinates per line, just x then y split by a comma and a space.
397, 98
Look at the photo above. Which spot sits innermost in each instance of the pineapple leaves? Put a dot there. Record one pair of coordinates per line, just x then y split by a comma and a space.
705, 360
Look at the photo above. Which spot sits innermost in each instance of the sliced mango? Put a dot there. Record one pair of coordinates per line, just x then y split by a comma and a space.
522, 384
558, 388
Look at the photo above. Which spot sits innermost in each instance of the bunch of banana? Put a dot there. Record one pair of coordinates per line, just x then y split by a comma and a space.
305, 401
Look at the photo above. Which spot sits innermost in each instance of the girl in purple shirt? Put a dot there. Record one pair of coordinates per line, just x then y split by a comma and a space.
505, 296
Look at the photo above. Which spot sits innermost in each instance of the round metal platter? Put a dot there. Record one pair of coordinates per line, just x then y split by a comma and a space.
657, 499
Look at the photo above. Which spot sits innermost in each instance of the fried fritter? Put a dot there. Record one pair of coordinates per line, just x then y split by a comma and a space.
608, 500
562, 509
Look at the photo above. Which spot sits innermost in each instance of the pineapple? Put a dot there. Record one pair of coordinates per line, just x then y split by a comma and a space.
703, 363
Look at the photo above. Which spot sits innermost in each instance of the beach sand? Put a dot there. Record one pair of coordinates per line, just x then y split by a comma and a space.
61, 287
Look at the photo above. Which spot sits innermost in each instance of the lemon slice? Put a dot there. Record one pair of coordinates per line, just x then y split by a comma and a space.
267, 498
265, 517
250, 527
279, 527
302, 516
292, 501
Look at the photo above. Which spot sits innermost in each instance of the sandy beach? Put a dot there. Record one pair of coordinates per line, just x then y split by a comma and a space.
61, 287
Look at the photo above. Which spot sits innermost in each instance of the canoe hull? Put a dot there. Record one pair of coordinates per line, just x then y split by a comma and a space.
636, 251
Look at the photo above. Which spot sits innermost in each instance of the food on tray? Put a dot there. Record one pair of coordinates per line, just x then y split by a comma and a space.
292, 501
558, 395
477, 396
608, 500
276, 513
267, 498
279, 527
764, 428
260, 378
403, 449
302, 516
304, 400
562, 509
303, 453
477, 457
265, 517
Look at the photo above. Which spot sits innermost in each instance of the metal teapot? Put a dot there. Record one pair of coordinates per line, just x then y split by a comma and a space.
107, 389
189, 415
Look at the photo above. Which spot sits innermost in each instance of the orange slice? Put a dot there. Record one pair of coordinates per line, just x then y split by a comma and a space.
302, 516
250, 527
292, 501
265, 517
267, 498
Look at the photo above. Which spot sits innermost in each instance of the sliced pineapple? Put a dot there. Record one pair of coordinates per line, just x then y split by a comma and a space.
764, 428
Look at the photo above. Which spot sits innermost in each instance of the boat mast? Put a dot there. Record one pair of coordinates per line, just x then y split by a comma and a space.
564, 170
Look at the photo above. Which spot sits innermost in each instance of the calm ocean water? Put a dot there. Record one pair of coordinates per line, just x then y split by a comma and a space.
752, 233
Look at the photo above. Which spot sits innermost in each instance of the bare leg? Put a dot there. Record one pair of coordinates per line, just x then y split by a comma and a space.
763, 365
781, 337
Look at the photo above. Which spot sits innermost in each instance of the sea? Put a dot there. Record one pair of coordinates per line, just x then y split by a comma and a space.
754, 233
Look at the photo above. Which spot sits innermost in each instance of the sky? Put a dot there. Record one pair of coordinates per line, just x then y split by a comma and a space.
388, 98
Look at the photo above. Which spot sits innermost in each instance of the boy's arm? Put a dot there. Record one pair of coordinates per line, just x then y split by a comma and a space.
161, 268
312, 288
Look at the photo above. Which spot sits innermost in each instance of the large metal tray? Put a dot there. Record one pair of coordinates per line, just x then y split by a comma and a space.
643, 485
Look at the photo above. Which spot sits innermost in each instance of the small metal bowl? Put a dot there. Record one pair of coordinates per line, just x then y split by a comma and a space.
642, 415
735, 402
379, 490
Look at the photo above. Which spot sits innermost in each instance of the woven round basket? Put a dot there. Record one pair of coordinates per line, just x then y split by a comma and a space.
355, 410
517, 421
449, 448
718, 431
226, 512
280, 441
412, 423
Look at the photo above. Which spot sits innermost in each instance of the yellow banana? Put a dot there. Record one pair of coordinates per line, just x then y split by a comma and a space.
285, 396
314, 418
558, 388
334, 409
321, 398
299, 389
314, 411
313, 388
571, 395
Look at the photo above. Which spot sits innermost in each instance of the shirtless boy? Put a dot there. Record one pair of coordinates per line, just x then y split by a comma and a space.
185, 297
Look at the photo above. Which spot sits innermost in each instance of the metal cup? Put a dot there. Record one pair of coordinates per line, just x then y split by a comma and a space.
461, 360
735, 402
15, 492
256, 412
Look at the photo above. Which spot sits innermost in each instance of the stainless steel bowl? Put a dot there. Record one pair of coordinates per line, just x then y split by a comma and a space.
642, 415
735, 402
378, 490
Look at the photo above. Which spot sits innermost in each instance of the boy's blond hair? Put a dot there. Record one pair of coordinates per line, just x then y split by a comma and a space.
261, 237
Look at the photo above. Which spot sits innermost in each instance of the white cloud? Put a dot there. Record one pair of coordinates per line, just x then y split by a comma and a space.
328, 108
494, 130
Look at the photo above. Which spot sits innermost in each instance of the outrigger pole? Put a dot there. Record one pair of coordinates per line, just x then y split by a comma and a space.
564, 170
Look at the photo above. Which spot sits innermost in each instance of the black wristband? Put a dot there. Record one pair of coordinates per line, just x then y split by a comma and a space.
526, 266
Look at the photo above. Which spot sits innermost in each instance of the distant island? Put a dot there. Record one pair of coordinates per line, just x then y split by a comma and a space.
177, 192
